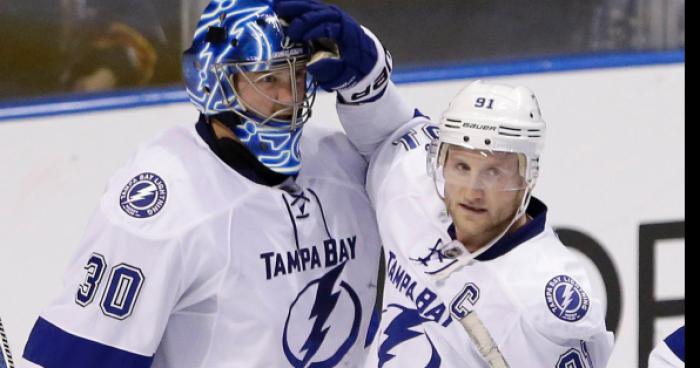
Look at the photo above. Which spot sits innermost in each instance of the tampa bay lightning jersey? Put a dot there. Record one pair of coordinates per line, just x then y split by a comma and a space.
528, 290
186, 263
670, 353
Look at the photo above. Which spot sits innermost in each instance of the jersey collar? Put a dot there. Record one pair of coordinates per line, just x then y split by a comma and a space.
238, 157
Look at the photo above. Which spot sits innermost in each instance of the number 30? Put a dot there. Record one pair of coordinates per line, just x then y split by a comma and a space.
121, 293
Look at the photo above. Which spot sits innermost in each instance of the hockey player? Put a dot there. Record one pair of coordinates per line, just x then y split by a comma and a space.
670, 353
215, 246
475, 276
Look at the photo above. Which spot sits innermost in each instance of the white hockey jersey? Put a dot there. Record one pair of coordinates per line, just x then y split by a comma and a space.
669, 353
530, 293
186, 263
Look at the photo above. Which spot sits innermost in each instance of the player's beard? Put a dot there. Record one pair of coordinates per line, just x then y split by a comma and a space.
477, 222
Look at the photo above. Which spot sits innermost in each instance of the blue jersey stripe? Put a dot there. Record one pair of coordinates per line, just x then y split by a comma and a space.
51, 347
676, 342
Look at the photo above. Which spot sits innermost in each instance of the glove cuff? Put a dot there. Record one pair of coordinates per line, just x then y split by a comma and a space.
373, 85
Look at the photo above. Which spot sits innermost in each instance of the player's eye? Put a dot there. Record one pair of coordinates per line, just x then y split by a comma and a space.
493, 172
266, 79
462, 167
269, 79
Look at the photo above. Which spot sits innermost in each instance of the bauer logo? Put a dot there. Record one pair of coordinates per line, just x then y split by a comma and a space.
479, 126
566, 299
143, 196
323, 322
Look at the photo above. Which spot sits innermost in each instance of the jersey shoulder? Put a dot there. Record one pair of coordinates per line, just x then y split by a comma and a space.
171, 184
669, 353
553, 289
328, 153
401, 160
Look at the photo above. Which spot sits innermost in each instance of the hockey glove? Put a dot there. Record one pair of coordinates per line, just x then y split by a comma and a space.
346, 58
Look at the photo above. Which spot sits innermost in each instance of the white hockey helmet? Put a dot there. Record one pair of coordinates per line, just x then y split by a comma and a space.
495, 134
491, 119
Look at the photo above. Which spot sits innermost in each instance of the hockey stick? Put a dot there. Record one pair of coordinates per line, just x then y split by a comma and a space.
482, 339
6, 361
475, 328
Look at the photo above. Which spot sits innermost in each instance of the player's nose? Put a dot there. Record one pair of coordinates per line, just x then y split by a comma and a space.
285, 95
473, 193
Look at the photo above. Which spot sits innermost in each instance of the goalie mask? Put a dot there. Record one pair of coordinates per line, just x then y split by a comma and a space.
241, 62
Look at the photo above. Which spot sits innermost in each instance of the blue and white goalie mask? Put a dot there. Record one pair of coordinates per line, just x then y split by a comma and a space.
241, 61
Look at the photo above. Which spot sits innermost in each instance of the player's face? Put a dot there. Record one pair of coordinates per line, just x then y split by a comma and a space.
272, 93
482, 193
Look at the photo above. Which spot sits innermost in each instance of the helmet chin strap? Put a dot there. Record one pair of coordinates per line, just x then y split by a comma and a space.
463, 257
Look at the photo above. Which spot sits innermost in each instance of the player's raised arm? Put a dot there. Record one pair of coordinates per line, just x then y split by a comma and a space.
351, 61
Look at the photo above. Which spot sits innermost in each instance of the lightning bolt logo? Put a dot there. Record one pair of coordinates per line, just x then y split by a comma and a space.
568, 295
143, 193
143, 196
401, 330
325, 304
566, 299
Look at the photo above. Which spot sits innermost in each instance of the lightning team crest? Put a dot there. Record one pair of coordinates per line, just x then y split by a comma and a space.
323, 322
566, 298
405, 327
143, 196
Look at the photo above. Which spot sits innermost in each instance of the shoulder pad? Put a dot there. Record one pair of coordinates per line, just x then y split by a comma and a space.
557, 296
329, 153
172, 183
